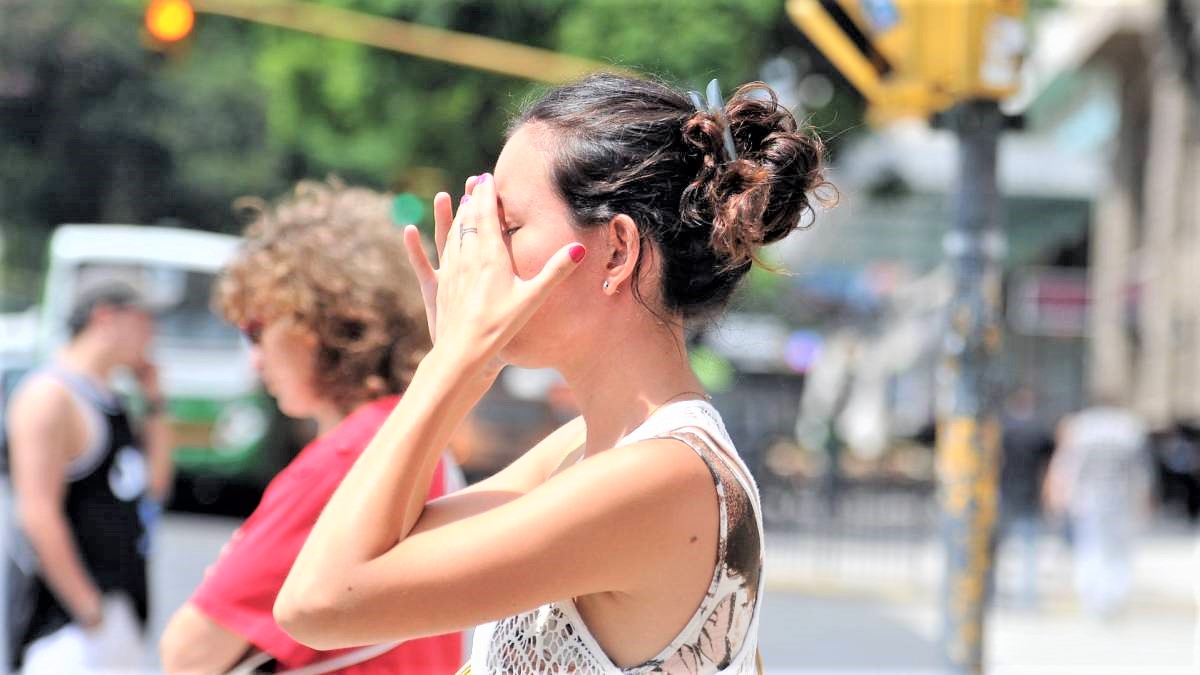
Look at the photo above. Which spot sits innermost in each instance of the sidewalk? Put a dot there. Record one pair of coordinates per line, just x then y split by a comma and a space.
1166, 569
853, 636
857, 607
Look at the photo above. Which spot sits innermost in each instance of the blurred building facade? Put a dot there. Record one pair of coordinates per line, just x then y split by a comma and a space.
1145, 319
1102, 224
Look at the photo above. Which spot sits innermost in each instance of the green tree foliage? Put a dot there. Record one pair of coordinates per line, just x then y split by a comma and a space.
97, 126
360, 111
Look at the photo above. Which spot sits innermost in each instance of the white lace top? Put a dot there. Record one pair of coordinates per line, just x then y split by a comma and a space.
722, 636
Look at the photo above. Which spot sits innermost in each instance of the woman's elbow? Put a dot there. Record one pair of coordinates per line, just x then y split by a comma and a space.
309, 618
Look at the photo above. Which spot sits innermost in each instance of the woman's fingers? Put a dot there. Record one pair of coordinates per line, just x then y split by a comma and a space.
485, 213
443, 218
426, 275
417, 256
473, 289
446, 219
454, 240
560, 266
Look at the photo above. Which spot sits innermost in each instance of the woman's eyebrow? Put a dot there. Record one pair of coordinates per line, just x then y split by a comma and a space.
509, 209
502, 212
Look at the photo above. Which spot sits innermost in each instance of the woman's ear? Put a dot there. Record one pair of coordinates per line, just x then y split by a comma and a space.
625, 249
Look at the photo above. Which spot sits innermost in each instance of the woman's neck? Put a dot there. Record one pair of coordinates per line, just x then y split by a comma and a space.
626, 381
328, 418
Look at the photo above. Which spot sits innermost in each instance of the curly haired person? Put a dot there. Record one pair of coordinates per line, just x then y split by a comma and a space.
334, 314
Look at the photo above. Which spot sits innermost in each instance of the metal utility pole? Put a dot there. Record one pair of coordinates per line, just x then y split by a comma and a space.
918, 58
969, 431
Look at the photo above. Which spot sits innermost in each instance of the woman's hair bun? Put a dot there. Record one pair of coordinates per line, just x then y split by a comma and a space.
762, 196
638, 147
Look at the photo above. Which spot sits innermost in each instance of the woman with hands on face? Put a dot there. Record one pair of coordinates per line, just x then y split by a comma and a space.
629, 540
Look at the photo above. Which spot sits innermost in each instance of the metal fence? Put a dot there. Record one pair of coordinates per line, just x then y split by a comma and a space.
876, 535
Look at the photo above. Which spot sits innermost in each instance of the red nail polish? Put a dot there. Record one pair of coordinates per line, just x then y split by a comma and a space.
577, 252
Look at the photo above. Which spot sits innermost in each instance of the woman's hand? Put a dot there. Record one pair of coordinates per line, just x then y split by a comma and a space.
146, 374
479, 302
427, 276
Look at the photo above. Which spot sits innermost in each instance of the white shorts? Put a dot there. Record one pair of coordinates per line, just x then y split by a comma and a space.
115, 646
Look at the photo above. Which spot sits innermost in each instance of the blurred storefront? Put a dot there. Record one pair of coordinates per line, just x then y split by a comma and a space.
1102, 249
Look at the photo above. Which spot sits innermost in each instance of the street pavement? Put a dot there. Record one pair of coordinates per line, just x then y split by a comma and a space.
858, 615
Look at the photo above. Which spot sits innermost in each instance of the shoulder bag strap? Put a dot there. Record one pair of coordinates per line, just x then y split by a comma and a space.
259, 658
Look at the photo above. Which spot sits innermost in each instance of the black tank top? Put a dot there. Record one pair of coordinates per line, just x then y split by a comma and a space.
101, 505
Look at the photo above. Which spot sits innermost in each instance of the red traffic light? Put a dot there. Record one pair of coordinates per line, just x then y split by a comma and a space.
170, 20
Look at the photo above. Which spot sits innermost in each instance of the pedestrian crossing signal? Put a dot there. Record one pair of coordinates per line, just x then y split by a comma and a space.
918, 57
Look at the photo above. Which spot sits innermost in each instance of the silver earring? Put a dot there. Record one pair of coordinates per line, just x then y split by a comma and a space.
606, 284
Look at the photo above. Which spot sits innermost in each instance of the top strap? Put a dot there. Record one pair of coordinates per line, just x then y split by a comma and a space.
84, 388
728, 458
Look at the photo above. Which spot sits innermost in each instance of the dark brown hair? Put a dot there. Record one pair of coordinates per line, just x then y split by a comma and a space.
637, 147
328, 257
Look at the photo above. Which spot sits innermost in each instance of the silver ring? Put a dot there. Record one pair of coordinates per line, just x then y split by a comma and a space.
467, 230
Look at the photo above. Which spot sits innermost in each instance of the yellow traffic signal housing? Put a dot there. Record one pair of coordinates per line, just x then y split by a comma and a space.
918, 57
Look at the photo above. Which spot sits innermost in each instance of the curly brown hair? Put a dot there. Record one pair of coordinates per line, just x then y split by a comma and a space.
328, 257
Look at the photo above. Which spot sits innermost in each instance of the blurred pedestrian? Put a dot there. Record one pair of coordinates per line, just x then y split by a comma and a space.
333, 313
618, 213
80, 472
1179, 468
1026, 448
1100, 478
827, 391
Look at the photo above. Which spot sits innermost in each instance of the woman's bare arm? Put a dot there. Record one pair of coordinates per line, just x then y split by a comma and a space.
618, 522
524, 474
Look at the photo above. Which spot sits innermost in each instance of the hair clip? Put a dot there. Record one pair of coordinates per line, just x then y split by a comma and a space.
716, 107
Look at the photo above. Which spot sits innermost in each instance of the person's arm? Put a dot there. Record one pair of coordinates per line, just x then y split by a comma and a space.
158, 453
43, 421
213, 630
609, 524
1057, 485
194, 643
1144, 479
156, 431
525, 473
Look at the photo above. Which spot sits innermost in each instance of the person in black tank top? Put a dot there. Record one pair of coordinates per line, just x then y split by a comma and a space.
76, 541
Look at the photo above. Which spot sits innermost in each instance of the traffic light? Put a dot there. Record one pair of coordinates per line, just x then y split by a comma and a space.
918, 57
169, 21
